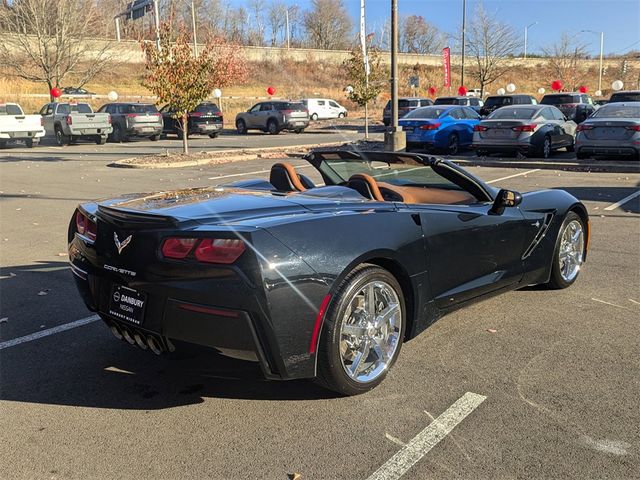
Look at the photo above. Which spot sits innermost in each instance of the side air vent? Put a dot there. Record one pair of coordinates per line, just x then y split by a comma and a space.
539, 236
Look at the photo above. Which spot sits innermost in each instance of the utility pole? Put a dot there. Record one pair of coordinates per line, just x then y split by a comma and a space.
117, 28
156, 16
286, 17
193, 25
464, 29
601, 55
395, 139
526, 36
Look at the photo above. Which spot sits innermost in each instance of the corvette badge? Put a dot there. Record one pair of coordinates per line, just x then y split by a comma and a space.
120, 245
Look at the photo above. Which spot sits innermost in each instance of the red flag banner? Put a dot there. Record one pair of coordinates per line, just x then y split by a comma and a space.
446, 65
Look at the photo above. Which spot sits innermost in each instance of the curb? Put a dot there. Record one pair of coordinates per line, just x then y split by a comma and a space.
218, 157
630, 166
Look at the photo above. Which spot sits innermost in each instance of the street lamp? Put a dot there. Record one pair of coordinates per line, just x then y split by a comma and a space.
526, 35
601, 54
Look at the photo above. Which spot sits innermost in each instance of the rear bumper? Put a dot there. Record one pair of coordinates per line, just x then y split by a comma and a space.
295, 125
82, 132
205, 129
609, 150
22, 135
144, 131
504, 147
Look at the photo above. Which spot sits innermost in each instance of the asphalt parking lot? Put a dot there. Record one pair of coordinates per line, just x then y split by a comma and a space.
531, 384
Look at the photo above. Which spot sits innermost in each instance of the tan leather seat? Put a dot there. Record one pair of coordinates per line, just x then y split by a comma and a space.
366, 186
285, 178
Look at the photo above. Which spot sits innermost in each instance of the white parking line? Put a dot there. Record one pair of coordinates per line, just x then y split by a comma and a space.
428, 438
623, 201
513, 176
251, 173
48, 331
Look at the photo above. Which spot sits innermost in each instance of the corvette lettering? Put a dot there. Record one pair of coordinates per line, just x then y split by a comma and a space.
119, 270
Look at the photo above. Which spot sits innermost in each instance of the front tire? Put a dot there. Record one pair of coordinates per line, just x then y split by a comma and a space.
363, 331
241, 127
314, 116
272, 127
568, 255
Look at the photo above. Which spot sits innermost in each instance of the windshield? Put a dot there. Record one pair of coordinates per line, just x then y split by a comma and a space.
10, 109
141, 108
558, 99
394, 173
625, 97
618, 111
498, 101
426, 112
506, 113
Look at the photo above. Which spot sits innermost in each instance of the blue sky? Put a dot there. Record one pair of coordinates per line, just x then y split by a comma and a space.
618, 19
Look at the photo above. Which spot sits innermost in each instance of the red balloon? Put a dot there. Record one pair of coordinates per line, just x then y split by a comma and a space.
432, 91
557, 85
55, 92
583, 89
271, 90
462, 90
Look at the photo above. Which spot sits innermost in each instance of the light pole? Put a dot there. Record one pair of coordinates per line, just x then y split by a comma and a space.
526, 36
601, 54
464, 28
394, 138
193, 25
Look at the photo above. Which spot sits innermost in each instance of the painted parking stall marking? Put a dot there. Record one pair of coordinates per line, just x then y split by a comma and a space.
255, 172
514, 175
428, 438
623, 201
48, 331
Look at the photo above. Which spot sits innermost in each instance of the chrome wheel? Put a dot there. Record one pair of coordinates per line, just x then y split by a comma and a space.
570, 255
370, 331
546, 148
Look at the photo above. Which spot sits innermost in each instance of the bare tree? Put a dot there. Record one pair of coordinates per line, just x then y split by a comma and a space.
49, 40
419, 36
328, 25
296, 22
490, 43
276, 18
564, 59
256, 34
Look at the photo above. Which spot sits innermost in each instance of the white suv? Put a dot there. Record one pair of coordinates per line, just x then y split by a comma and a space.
324, 108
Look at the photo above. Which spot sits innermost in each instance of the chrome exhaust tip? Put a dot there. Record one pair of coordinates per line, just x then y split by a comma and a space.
154, 345
116, 331
140, 341
127, 336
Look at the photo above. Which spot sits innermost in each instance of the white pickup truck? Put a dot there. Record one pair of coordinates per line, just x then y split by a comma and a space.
68, 122
15, 125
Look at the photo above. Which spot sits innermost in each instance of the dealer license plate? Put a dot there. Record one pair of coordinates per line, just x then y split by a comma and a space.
127, 304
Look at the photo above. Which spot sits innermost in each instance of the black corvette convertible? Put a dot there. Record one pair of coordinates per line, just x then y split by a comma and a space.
318, 281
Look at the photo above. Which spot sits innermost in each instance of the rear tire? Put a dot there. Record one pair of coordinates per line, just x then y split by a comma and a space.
545, 148
155, 138
570, 247
272, 127
581, 156
314, 117
363, 331
61, 138
241, 127
3, 144
454, 144
214, 135
571, 148
116, 135
101, 140
29, 142
341, 115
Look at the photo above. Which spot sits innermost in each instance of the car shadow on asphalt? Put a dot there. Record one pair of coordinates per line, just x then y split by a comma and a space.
86, 366
607, 195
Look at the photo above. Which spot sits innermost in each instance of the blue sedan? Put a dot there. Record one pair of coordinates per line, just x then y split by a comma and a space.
446, 128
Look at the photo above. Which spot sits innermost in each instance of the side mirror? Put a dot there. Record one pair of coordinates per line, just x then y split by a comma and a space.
504, 199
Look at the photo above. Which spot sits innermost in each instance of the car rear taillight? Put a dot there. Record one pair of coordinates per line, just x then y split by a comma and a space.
525, 128
582, 127
177, 248
195, 114
132, 115
219, 250
286, 112
430, 126
480, 128
208, 250
85, 227
635, 128
69, 120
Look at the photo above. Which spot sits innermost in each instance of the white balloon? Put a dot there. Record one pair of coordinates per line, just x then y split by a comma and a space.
349, 89
112, 96
217, 92
511, 88
617, 85
501, 91
541, 91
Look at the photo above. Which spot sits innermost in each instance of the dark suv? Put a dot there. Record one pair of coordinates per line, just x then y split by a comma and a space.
273, 117
625, 96
206, 119
473, 102
574, 105
496, 101
405, 105
133, 120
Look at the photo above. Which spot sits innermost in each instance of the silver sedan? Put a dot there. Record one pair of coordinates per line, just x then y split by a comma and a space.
534, 130
614, 129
